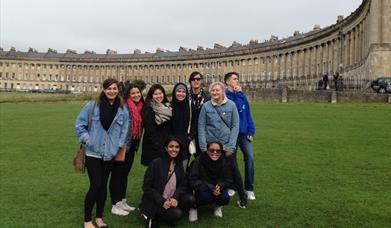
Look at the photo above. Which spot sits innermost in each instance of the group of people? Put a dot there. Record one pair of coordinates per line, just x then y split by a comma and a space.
207, 126
323, 83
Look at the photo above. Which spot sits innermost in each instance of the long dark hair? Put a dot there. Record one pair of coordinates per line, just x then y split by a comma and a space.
129, 88
106, 84
151, 90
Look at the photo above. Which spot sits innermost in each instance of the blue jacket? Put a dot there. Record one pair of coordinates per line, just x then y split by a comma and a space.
99, 142
247, 126
212, 128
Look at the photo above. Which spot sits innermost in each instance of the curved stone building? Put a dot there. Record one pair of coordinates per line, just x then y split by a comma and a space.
358, 47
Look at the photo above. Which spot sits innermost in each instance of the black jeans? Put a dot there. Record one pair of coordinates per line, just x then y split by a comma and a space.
119, 174
236, 176
98, 174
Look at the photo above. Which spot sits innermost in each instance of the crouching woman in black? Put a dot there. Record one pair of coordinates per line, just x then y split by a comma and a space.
165, 187
209, 179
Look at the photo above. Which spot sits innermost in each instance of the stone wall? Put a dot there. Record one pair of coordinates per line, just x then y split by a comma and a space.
319, 96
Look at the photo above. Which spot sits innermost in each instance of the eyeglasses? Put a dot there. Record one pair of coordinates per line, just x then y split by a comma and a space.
195, 79
214, 151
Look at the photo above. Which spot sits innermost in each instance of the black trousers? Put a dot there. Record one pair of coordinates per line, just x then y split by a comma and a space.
98, 174
236, 176
119, 174
172, 215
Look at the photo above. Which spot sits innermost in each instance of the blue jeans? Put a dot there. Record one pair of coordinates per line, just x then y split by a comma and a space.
248, 153
207, 198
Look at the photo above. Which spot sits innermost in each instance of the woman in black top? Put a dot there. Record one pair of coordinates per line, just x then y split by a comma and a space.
156, 115
181, 118
164, 187
209, 177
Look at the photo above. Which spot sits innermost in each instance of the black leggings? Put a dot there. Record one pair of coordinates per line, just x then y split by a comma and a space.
119, 175
236, 176
98, 174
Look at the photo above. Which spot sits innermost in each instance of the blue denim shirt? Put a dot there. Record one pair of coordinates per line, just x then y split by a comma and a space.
212, 128
98, 141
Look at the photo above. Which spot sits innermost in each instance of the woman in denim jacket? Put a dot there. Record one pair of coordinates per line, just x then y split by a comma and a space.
104, 133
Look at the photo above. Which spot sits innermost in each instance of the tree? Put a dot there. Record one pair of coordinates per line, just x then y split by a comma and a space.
140, 83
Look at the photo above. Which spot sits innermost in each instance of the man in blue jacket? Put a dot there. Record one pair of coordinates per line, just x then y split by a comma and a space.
246, 130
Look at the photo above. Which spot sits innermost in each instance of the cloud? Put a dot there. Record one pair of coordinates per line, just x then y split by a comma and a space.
148, 24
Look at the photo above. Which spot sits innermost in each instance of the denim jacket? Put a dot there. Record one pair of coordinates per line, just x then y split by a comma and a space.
212, 128
98, 141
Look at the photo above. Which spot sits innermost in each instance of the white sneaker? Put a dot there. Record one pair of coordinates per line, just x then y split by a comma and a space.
218, 212
193, 215
231, 192
250, 195
126, 206
117, 210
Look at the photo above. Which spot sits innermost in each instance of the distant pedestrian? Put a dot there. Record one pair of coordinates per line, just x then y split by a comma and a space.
320, 84
335, 79
325, 82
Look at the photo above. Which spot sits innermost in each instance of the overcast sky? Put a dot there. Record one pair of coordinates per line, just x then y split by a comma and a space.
124, 25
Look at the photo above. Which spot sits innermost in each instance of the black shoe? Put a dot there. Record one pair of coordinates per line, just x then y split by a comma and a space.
242, 203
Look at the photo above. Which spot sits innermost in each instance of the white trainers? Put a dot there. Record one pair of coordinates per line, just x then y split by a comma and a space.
117, 209
218, 212
231, 192
193, 215
126, 206
250, 195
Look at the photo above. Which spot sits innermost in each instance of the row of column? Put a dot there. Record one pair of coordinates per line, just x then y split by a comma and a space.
342, 53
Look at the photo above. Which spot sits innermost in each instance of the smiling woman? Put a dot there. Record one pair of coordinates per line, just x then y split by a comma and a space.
181, 118
164, 187
156, 115
102, 126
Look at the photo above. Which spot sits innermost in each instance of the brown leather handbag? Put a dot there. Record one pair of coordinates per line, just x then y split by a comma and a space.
120, 157
79, 161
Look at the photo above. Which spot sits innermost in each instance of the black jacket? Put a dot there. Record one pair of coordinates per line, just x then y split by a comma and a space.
199, 180
197, 100
155, 180
154, 136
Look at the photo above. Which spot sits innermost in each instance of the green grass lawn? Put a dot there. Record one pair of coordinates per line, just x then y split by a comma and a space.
317, 165
18, 97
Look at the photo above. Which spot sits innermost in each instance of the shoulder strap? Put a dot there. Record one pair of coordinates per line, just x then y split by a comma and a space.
219, 113
188, 128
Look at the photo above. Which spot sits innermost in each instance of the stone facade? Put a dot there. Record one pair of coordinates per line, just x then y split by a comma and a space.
358, 47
